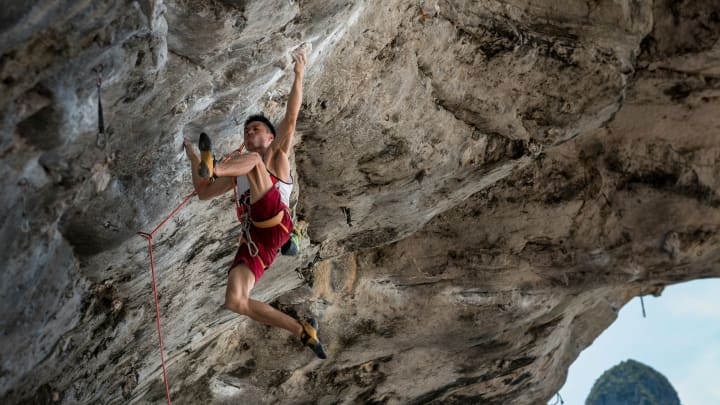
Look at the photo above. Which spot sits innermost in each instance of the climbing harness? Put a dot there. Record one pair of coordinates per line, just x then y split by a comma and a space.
149, 237
243, 214
246, 221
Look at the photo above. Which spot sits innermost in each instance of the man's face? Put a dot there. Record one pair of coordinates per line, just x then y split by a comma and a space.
257, 136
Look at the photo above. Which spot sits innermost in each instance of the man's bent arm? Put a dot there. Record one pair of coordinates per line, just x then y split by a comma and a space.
205, 189
213, 189
238, 166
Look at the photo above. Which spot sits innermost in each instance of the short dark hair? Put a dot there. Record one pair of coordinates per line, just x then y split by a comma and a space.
263, 119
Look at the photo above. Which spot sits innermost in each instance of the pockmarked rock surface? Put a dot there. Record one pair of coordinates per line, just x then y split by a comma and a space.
483, 185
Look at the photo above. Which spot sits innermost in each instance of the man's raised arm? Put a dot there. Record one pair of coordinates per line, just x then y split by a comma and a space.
286, 130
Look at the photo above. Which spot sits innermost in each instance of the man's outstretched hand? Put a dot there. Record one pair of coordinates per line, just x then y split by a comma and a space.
299, 59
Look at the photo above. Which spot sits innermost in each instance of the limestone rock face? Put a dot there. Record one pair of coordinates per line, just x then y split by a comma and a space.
482, 186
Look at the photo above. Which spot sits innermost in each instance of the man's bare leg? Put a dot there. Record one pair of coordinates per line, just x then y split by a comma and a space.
237, 299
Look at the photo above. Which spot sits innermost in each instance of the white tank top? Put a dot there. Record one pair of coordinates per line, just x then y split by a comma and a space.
285, 189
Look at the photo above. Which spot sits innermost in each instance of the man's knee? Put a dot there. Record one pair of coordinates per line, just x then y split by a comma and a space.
237, 304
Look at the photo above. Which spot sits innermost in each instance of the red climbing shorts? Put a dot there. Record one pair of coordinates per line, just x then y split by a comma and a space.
268, 240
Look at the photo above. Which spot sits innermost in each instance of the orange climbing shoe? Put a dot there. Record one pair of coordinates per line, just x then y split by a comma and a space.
207, 161
310, 339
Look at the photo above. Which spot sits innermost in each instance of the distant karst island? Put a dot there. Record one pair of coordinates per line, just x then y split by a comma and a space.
632, 383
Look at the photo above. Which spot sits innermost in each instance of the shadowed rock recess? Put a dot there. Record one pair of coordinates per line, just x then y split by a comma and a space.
484, 184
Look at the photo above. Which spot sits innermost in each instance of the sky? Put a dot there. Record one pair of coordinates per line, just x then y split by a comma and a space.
680, 338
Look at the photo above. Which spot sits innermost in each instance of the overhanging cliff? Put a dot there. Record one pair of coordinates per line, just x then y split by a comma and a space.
483, 185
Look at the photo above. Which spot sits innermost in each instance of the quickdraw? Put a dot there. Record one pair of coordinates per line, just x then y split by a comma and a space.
101, 139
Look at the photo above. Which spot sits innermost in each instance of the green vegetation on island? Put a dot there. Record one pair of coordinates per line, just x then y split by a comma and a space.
632, 383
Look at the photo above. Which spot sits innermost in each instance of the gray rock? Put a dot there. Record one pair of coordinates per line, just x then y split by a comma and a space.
483, 186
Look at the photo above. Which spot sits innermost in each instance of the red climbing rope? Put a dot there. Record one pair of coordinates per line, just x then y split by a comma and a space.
149, 237
157, 314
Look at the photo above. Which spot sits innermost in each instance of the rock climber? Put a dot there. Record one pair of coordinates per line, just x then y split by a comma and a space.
262, 177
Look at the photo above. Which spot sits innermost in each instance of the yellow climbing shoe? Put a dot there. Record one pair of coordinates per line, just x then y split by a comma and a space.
207, 161
310, 339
